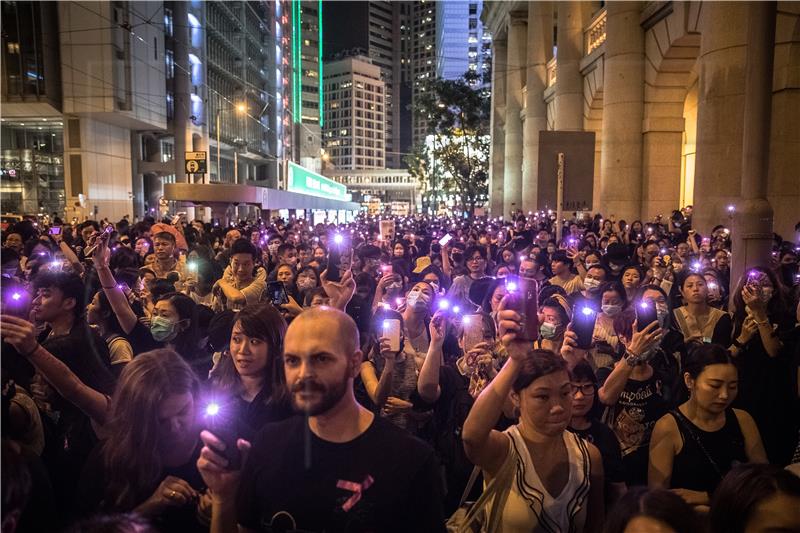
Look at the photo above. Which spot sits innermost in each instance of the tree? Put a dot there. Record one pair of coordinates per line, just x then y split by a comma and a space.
457, 163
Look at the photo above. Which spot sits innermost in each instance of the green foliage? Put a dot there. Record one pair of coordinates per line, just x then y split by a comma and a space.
457, 115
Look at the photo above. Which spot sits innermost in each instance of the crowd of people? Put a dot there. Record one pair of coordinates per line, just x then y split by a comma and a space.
407, 374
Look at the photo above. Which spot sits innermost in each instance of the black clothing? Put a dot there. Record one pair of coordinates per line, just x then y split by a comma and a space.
691, 467
383, 480
142, 340
601, 436
92, 494
768, 392
632, 419
252, 416
444, 432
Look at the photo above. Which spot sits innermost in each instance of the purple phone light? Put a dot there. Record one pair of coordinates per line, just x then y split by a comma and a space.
444, 304
386, 324
338, 239
456, 309
644, 305
16, 296
511, 286
467, 320
587, 311
212, 409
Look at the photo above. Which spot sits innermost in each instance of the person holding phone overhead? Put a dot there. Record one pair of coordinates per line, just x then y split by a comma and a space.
767, 373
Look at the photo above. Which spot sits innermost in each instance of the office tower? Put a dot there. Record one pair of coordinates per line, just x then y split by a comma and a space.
461, 43
355, 107
423, 59
372, 29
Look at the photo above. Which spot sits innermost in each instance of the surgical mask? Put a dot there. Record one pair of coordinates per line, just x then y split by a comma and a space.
615, 267
548, 330
612, 310
305, 284
590, 265
417, 300
662, 311
591, 284
162, 329
394, 286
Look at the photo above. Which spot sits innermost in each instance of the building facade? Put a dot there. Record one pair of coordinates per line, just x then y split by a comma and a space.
462, 43
671, 94
386, 185
423, 60
355, 108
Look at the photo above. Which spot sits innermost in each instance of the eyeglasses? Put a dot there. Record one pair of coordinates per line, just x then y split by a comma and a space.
587, 389
477, 258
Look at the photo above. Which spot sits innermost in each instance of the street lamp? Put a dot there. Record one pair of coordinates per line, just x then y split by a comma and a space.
241, 109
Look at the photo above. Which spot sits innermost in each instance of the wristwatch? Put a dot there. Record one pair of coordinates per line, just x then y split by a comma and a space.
631, 359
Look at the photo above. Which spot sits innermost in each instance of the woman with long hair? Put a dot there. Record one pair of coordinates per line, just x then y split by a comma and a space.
762, 321
695, 445
248, 377
147, 461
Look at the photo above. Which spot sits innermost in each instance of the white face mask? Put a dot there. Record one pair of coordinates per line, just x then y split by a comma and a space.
612, 310
662, 310
419, 301
591, 284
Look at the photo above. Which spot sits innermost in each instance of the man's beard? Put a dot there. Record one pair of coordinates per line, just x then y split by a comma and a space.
329, 395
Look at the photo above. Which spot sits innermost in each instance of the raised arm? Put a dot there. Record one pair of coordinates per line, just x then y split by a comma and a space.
485, 446
116, 296
22, 335
428, 380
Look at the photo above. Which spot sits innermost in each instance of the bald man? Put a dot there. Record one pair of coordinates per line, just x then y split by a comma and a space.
336, 468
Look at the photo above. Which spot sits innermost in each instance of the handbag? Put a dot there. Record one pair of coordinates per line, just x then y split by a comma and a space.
481, 517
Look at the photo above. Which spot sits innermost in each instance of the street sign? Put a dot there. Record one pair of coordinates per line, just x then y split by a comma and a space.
195, 162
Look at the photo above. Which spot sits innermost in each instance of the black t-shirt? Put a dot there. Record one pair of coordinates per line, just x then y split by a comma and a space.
142, 340
383, 480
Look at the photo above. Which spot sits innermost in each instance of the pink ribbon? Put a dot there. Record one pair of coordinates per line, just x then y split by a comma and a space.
356, 489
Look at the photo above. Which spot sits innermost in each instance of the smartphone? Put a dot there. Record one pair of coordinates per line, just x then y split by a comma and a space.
55, 230
523, 295
391, 330
223, 425
334, 260
473, 331
277, 293
583, 323
445, 239
387, 269
646, 314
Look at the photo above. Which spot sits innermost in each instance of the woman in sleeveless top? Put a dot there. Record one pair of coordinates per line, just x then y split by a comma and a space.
694, 446
697, 320
557, 482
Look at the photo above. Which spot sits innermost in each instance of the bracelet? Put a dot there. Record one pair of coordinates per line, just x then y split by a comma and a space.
108, 286
26, 355
631, 359
764, 323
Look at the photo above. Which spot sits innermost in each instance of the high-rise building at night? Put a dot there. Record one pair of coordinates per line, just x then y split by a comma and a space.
102, 100
423, 59
355, 107
461, 43
374, 30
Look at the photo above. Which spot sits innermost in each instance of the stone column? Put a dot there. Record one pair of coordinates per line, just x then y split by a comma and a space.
720, 102
540, 43
569, 81
515, 74
497, 119
623, 108
752, 229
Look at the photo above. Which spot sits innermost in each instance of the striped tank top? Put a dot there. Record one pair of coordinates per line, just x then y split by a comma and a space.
530, 508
